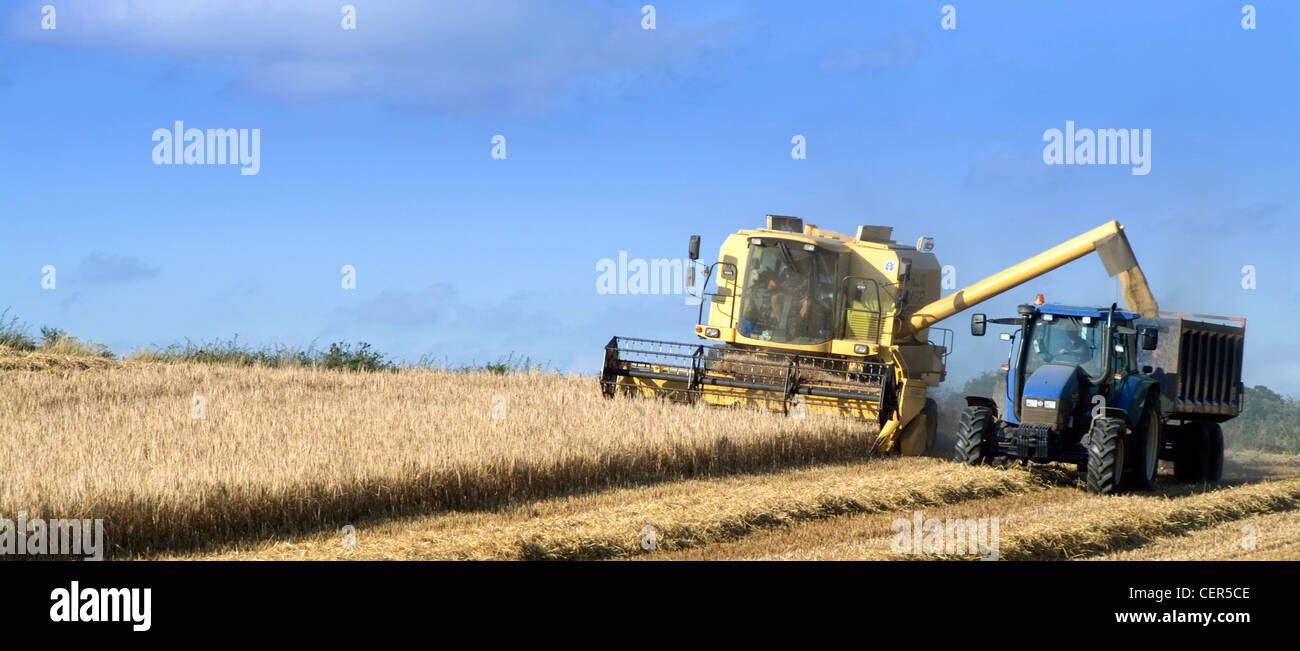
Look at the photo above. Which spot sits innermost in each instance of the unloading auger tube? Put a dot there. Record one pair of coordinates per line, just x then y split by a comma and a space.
1111, 245
876, 367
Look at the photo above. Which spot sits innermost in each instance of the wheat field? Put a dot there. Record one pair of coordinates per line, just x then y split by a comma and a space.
212, 461
177, 456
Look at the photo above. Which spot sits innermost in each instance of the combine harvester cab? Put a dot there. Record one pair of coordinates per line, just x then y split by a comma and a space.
801, 319
1109, 391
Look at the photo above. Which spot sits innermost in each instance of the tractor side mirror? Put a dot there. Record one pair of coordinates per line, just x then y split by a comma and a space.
693, 250
978, 322
1149, 338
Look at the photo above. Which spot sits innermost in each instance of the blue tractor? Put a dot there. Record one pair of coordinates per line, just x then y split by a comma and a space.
1109, 391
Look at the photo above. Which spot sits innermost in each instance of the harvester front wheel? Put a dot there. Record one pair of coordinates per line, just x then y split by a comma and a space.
974, 436
1106, 456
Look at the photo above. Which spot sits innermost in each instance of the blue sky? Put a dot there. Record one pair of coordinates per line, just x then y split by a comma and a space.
375, 152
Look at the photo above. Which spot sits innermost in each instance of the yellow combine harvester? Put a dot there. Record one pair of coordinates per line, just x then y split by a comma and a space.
802, 319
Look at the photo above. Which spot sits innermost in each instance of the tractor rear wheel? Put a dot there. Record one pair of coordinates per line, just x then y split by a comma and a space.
1146, 450
1106, 456
974, 436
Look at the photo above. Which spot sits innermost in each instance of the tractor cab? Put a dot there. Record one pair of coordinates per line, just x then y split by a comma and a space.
1062, 358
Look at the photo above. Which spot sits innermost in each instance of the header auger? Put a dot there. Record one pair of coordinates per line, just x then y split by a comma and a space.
801, 318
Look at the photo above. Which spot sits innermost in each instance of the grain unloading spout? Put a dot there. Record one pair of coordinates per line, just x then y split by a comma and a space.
1117, 256
1107, 240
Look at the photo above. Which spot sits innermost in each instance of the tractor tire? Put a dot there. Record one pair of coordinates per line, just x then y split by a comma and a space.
931, 412
1189, 453
1145, 457
1106, 456
974, 436
1213, 450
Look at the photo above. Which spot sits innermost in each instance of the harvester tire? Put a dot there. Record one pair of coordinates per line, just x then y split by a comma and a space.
931, 412
974, 436
1145, 457
1190, 460
1106, 456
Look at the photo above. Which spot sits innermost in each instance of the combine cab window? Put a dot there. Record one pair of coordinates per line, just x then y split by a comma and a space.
1067, 340
789, 293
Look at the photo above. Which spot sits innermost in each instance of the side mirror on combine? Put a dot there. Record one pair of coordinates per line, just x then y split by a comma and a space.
978, 322
1149, 338
692, 252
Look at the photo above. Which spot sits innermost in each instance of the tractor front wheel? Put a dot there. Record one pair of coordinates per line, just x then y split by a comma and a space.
974, 436
1106, 456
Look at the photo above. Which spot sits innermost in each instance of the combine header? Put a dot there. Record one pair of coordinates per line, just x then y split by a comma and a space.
804, 319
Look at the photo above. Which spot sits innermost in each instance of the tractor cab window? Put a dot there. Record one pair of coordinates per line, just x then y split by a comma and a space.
1065, 339
1124, 359
788, 293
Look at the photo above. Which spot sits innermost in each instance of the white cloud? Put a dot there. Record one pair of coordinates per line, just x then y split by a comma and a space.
900, 51
101, 268
402, 308
493, 56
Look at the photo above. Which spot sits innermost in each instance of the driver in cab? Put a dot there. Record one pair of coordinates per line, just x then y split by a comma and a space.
1075, 350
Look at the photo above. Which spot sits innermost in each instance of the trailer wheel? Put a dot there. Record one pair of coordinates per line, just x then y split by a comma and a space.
1146, 449
1213, 450
1189, 453
1106, 456
974, 436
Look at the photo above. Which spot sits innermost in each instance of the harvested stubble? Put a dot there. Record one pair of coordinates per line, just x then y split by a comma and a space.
292, 450
1058, 523
1132, 521
1273, 536
685, 515
1074, 525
